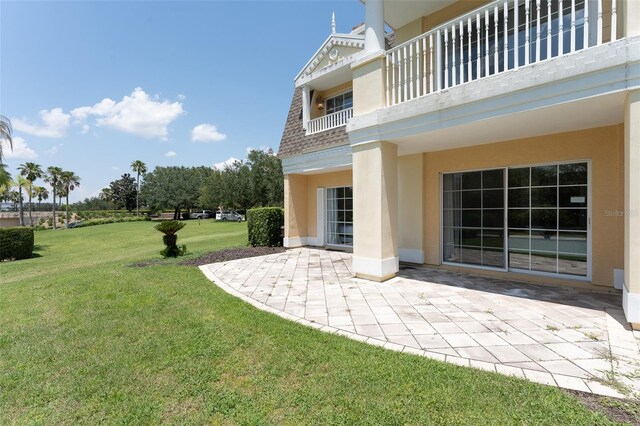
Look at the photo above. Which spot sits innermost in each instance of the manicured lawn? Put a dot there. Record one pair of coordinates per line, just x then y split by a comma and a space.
85, 339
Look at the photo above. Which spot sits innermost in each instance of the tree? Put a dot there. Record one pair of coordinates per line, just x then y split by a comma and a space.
31, 172
93, 203
22, 183
69, 181
174, 188
41, 193
123, 192
105, 194
6, 133
52, 177
267, 180
5, 176
140, 168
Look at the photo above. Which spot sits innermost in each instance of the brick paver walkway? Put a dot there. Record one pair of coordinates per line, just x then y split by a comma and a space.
562, 337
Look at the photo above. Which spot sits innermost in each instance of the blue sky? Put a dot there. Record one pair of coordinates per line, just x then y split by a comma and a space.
93, 86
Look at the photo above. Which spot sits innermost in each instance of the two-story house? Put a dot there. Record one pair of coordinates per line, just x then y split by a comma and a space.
499, 137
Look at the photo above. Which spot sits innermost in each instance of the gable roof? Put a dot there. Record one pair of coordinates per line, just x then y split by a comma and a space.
294, 139
348, 40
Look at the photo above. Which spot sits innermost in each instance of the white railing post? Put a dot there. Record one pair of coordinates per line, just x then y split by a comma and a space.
393, 77
486, 44
478, 48
461, 68
505, 36
388, 70
411, 81
424, 65
614, 21
496, 43
527, 47
446, 59
431, 63
454, 55
537, 30
573, 26
599, 39
560, 29
549, 52
586, 25
439, 62
516, 31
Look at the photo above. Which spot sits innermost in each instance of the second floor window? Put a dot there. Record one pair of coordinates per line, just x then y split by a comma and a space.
339, 103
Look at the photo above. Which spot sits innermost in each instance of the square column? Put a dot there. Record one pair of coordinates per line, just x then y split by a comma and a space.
410, 208
295, 210
375, 210
631, 289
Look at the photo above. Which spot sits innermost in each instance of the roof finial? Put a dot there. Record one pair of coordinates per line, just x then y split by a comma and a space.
333, 23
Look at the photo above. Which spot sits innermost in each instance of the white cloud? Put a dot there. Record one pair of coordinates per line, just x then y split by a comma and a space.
54, 150
116, 168
85, 129
263, 148
20, 150
137, 114
206, 133
228, 162
55, 124
170, 154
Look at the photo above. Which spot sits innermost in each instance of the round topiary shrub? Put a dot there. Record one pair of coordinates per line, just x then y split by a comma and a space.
16, 243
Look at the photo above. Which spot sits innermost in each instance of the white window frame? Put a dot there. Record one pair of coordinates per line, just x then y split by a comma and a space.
326, 222
326, 107
505, 268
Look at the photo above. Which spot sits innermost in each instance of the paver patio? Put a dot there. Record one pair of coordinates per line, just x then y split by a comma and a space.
559, 336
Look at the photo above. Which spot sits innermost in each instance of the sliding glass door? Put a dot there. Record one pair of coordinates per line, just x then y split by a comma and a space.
340, 216
543, 208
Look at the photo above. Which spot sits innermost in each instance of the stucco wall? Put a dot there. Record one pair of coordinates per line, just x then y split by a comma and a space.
603, 146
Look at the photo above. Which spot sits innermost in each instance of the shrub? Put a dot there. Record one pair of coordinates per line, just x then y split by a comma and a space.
106, 220
169, 229
16, 243
264, 226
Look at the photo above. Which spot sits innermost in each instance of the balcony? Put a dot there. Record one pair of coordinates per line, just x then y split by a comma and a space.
499, 37
329, 121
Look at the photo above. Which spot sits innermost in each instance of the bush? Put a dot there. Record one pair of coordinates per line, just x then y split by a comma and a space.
105, 220
169, 229
16, 243
264, 226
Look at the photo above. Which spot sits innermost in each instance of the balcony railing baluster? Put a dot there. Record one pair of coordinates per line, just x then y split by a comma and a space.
496, 41
329, 121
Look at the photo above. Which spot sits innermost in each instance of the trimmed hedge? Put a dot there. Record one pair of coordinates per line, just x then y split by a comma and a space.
16, 243
264, 226
106, 220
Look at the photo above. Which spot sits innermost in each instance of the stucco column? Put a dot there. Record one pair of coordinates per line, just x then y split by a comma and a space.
375, 210
410, 209
295, 210
306, 106
631, 290
631, 18
374, 25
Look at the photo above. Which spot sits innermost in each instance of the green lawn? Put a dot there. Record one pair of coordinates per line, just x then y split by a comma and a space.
87, 339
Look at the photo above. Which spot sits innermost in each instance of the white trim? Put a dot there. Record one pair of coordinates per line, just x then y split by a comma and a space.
375, 267
618, 278
339, 157
293, 242
347, 40
631, 305
300, 242
411, 255
321, 199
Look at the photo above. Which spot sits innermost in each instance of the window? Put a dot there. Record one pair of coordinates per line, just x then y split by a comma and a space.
546, 218
473, 218
339, 103
340, 216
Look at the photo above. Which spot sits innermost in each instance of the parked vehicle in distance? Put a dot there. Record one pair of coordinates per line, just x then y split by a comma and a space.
202, 214
225, 215
75, 224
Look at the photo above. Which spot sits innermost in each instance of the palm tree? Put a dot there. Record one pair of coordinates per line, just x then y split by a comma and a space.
105, 194
6, 133
31, 171
5, 176
140, 168
69, 182
53, 178
22, 183
41, 193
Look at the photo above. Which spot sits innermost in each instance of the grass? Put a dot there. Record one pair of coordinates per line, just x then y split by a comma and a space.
85, 339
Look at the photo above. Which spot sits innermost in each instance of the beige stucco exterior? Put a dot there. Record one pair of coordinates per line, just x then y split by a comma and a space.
411, 208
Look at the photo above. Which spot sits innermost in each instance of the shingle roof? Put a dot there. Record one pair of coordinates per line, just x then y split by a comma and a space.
295, 142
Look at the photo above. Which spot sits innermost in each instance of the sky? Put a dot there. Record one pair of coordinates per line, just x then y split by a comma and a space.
91, 86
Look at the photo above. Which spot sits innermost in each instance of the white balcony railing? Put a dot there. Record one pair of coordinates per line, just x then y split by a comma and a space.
329, 121
498, 37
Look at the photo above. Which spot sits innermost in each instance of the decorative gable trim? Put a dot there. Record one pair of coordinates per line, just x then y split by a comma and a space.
334, 40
